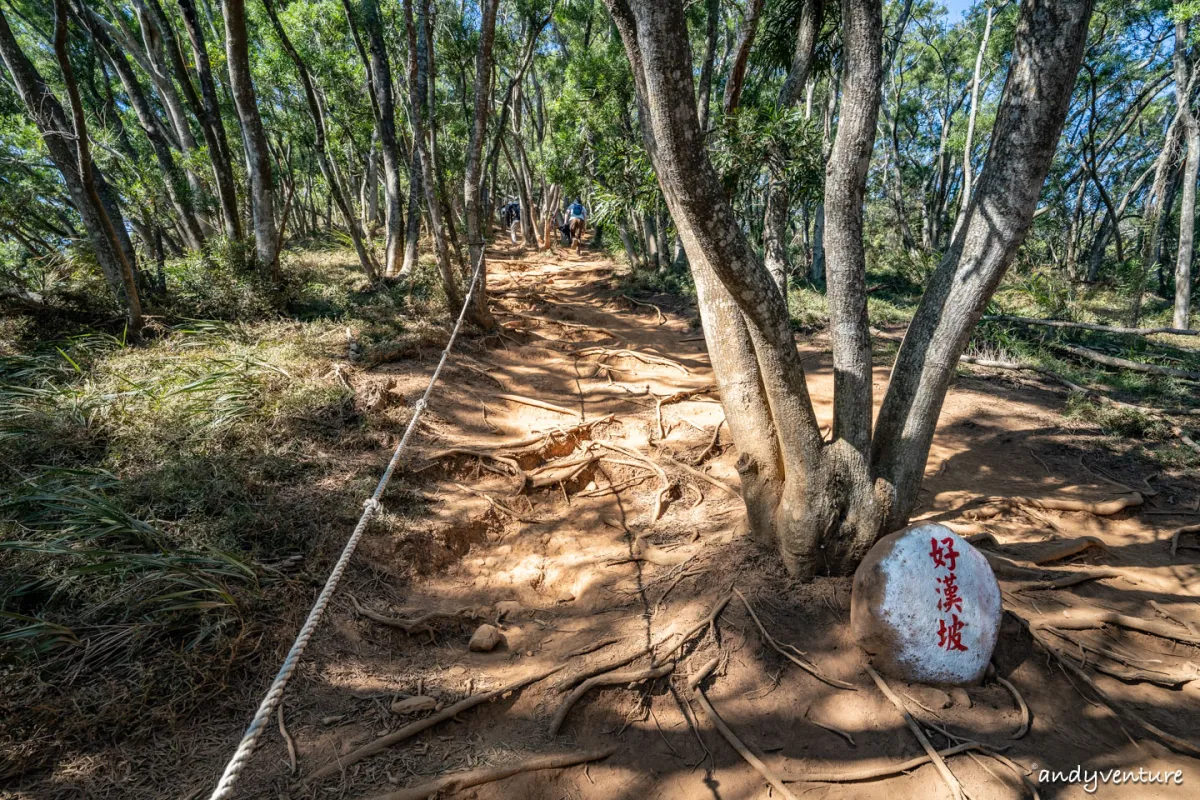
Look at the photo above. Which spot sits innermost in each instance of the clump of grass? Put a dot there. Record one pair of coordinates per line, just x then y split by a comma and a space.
1114, 421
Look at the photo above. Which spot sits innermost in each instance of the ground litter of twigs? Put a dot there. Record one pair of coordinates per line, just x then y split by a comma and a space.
581, 497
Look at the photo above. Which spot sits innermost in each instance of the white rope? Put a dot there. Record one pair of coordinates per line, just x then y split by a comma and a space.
370, 507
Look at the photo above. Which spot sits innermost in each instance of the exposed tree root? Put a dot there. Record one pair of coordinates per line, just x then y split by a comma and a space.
1105, 508
888, 771
1128, 671
663, 400
1170, 740
568, 683
287, 739
630, 677
1065, 581
494, 503
831, 729
529, 401
1071, 548
413, 728
413, 626
457, 781
540, 439
1092, 619
1026, 716
1180, 532
791, 653
947, 776
730, 736
660, 498
1158, 607
712, 443
592, 647
606, 353
661, 317
561, 323
695, 473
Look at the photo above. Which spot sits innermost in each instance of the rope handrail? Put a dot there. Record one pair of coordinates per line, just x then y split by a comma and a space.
371, 506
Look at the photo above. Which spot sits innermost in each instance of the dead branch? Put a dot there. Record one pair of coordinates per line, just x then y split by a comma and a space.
630, 677
1124, 363
730, 736
1070, 548
1026, 717
287, 738
947, 776
413, 728
457, 781
1089, 326
1174, 742
661, 317
794, 655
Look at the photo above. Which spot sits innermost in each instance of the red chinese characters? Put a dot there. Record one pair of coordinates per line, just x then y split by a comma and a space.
945, 557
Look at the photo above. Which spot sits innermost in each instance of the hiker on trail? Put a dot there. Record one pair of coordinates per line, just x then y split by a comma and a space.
576, 223
510, 215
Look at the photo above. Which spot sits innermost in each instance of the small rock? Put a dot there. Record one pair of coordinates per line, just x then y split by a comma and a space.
926, 607
485, 639
507, 608
960, 697
414, 705
591, 487
332, 719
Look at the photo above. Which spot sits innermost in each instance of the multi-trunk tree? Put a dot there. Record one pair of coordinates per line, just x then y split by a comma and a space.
823, 502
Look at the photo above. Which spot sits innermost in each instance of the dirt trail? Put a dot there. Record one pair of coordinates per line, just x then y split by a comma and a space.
533, 539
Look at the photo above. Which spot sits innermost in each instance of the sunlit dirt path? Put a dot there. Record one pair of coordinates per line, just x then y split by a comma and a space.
574, 487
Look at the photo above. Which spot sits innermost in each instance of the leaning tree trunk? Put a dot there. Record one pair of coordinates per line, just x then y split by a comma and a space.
823, 503
110, 248
218, 146
472, 177
320, 136
254, 137
385, 100
741, 59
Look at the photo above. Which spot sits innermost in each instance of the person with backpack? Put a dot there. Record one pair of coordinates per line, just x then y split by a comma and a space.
576, 223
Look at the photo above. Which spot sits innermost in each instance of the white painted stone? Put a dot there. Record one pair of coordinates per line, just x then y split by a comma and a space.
899, 612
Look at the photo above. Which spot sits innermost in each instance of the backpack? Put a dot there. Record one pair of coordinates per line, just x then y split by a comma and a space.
577, 210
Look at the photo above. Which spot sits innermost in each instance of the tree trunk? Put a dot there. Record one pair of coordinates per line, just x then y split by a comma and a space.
320, 136
712, 13
218, 148
817, 272
109, 249
418, 69
386, 123
845, 188
1047, 50
178, 190
822, 503
741, 59
969, 145
1185, 67
472, 173
254, 137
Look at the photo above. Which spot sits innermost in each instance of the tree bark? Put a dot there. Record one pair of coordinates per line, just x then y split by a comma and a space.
472, 172
845, 189
218, 147
712, 14
254, 137
320, 137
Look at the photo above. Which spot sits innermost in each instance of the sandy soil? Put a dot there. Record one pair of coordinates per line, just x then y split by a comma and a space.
553, 567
